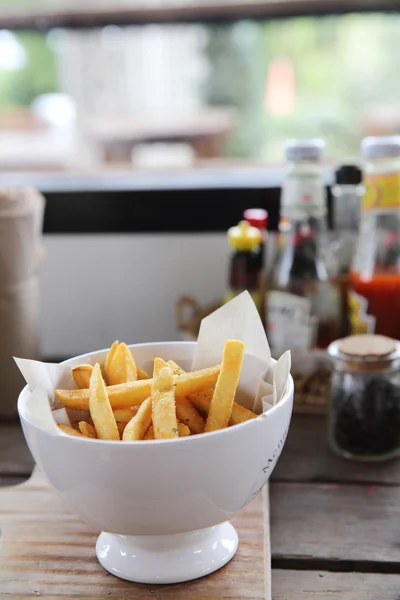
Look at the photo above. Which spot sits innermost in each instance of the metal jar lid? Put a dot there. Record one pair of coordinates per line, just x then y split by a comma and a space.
312, 149
366, 353
381, 147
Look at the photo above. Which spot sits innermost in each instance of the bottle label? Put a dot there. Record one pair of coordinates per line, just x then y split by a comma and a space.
382, 192
304, 195
360, 320
289, 322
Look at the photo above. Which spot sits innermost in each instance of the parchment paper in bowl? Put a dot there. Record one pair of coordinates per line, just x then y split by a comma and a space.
262, 381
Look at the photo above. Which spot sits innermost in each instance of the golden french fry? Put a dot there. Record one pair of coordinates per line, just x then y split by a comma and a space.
137, 427
123, 367
141, 373
176, 369
165, 424
109, 359
183, 430
185, 411
189, 415
125, 414
123, 395
100, 407
159, 363
195, 381
69, 430
87, 430
131, 368
202, 401
81, 375
225, 389
133, 393
150, 433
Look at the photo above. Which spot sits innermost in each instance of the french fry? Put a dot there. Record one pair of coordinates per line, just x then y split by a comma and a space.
87, 430
240, 414
165, 424
81, 375
125, 414
137, 427
183, 430
185, 411
141, 373
69, 430
133, 393
109, 359
159, 363
150, 433
189, 415
195, 381
176, 369
225, 389
100, 407
122, 367
124, 395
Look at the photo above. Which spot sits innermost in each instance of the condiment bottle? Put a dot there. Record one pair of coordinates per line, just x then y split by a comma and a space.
374, 297
364, 413
347, 192
303, 304
245, 271
258, 217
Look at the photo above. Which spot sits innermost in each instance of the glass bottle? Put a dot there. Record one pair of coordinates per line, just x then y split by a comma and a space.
374, 281
303, 306
347, 192
245, 271
364, 410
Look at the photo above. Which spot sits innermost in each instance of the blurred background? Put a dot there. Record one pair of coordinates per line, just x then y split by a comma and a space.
150, 125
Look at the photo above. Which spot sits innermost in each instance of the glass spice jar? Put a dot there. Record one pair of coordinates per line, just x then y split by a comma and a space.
364, 412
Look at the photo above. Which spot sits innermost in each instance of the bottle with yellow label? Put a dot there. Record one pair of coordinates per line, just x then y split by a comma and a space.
246, 265
374, 282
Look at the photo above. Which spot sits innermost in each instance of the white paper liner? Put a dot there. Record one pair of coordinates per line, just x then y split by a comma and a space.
262, 382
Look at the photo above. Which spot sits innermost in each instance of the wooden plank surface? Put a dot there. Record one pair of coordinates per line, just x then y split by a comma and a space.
335, 527
320, 585
46, 551
85, 14
306, 457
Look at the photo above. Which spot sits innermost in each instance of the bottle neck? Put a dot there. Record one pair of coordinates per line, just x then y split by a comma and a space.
346, 207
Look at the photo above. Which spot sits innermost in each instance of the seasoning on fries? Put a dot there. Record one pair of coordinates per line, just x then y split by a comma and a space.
121, 401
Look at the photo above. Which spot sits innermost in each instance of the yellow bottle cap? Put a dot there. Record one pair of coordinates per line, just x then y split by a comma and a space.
244, 237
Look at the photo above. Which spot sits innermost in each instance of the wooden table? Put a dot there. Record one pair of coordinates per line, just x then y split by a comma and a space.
335, 525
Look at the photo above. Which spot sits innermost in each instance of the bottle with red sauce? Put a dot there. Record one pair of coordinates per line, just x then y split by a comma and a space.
374, 280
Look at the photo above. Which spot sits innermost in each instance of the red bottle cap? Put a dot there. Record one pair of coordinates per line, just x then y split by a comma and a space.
257, 217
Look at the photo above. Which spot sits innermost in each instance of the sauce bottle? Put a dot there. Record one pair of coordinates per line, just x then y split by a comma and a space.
303, 306
347, 192
245, 271
374, 282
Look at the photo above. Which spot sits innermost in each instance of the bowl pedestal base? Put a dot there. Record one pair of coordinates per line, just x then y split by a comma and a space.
163, 559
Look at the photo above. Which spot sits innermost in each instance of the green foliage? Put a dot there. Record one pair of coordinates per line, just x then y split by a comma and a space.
19, 88
343, 66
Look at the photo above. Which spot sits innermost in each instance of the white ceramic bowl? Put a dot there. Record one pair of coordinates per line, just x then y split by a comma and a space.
163, 506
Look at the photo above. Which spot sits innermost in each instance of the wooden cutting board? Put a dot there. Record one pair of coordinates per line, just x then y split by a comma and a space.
47, 552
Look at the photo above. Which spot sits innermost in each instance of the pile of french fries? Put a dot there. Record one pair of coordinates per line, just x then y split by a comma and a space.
125, 402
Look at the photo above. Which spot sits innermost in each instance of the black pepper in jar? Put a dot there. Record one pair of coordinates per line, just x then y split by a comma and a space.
364, 415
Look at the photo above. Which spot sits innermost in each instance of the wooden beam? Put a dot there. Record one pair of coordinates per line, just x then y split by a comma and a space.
335, 527
47, 16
